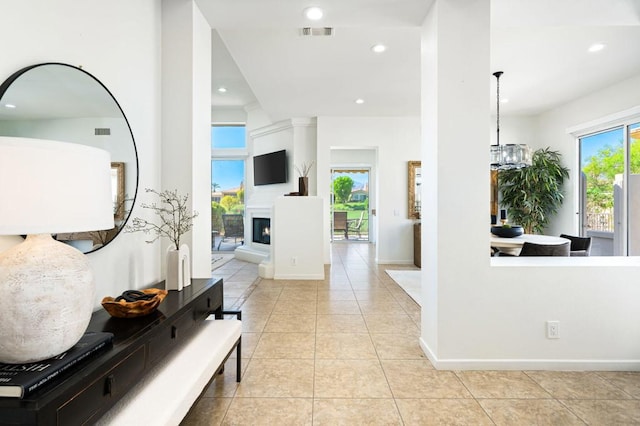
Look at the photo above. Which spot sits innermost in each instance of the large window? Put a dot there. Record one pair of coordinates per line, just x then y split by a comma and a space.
228, 159
228, 136
610, 189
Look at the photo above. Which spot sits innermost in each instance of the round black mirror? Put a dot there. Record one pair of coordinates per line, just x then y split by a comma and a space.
65, 103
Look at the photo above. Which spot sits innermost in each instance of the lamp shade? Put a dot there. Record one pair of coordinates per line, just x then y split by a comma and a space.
50, 187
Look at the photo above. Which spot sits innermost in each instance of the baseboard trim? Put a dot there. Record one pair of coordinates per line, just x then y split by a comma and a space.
299, 277
529, 364
394, 262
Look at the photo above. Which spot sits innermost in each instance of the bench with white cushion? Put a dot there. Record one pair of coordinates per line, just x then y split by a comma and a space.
165, 395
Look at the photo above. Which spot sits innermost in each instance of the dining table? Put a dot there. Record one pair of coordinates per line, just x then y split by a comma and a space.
513, 245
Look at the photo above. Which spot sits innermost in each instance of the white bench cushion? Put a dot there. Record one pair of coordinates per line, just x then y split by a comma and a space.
165, 395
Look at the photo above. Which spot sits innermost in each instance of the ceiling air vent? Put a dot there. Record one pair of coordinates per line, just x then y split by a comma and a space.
102, 131
323, 31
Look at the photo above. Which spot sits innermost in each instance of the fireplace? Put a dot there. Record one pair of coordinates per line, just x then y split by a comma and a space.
261, 230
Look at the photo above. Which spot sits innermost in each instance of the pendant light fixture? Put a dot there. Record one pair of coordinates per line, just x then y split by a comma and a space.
509, 156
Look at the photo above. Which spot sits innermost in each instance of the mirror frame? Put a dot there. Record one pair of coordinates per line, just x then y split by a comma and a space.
120, 212
413, 213
117, 185
493, 203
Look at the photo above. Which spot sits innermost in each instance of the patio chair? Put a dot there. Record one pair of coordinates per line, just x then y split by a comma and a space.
580, 246
354, 225
233, 225
340, 223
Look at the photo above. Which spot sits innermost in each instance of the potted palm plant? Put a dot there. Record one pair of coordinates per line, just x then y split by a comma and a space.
532, 194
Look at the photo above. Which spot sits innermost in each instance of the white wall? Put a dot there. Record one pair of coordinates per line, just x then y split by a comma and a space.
228, 115
516, 129
293, 257
483, 312
119, 43
386, 135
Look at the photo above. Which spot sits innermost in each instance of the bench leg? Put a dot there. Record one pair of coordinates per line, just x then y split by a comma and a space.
239, 360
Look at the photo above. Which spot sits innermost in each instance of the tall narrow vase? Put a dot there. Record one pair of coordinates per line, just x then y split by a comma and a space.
174, 270
178, 268
303, 185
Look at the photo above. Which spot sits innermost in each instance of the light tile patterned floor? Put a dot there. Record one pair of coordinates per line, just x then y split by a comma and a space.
344, 351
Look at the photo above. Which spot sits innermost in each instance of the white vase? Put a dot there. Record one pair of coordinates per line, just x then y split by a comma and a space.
185, 259
174, 270
178, 268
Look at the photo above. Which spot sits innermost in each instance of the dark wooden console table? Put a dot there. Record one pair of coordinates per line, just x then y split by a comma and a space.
84, 394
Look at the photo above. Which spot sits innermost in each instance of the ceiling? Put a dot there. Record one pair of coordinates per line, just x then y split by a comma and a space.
260, 55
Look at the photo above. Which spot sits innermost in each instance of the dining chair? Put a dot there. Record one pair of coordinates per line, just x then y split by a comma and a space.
580, 246
532, 249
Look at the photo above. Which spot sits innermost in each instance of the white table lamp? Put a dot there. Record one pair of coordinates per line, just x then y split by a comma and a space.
47, 289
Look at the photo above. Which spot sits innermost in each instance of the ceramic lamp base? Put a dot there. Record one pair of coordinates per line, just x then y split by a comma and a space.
47, 296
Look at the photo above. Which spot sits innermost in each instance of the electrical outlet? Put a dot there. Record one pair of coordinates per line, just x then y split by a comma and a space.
553, 329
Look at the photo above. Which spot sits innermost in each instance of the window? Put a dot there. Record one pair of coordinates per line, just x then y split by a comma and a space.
610, 189
228, 159
229, 136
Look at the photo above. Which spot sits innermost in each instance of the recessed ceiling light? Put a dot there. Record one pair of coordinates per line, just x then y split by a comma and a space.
222, 89
314, 13
9, 106
378, 48
596, 47
359, 101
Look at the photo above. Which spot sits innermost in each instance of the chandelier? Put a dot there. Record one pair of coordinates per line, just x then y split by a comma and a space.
508, 156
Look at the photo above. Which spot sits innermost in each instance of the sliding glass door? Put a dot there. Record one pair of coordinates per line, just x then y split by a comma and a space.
610, 190
350, 204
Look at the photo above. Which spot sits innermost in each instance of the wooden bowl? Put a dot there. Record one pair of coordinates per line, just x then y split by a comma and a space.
124, 309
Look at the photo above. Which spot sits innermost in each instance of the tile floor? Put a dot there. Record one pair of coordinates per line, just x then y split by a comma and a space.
344, 351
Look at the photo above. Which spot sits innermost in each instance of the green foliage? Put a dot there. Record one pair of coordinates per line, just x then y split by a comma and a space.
534, 193
237, 209
241, 195
341, 207
342, 187
228, 202
216, 216
601, 170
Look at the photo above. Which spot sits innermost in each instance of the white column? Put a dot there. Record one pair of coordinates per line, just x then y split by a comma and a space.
455, 121
186, 119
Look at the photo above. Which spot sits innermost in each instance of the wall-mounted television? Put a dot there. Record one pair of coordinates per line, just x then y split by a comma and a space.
270, 168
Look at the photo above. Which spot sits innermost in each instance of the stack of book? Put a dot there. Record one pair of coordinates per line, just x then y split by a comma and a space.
19, 380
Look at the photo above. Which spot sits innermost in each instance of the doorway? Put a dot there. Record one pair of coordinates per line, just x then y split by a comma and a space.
350, 204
